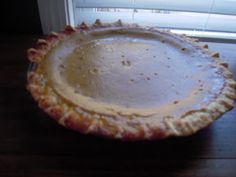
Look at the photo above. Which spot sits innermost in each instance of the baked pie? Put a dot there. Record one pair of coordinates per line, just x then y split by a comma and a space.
129, 82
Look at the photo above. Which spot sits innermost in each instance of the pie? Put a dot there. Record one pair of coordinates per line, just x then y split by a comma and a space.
128, 82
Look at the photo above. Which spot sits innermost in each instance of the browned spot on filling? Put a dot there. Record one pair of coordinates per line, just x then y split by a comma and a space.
175, 102
126, 63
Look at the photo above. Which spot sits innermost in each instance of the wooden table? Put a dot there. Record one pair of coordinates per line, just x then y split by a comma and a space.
33, 145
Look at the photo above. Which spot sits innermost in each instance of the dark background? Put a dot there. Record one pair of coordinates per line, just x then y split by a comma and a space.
21, 17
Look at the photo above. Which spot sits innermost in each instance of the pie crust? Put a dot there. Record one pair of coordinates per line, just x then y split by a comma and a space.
150, 101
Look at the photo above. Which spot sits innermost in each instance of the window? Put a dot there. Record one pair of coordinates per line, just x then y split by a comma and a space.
205, 18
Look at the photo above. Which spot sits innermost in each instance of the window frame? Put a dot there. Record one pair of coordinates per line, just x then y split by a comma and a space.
55, 15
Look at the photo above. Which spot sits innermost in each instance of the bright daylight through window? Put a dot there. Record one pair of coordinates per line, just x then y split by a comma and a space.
204, 18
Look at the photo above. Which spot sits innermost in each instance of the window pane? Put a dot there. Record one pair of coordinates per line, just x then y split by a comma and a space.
226, 23
201, 15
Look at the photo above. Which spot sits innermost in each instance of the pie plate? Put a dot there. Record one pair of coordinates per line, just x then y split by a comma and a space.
123, 81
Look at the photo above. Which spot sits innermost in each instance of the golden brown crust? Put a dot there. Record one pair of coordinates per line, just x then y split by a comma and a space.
126, 128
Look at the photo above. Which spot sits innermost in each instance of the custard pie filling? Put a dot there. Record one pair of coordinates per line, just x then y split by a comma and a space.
133, 72
119, 74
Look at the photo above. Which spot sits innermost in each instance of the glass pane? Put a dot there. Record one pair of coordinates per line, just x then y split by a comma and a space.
202, 16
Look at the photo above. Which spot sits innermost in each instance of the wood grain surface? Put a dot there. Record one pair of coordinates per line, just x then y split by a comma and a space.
33, 145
